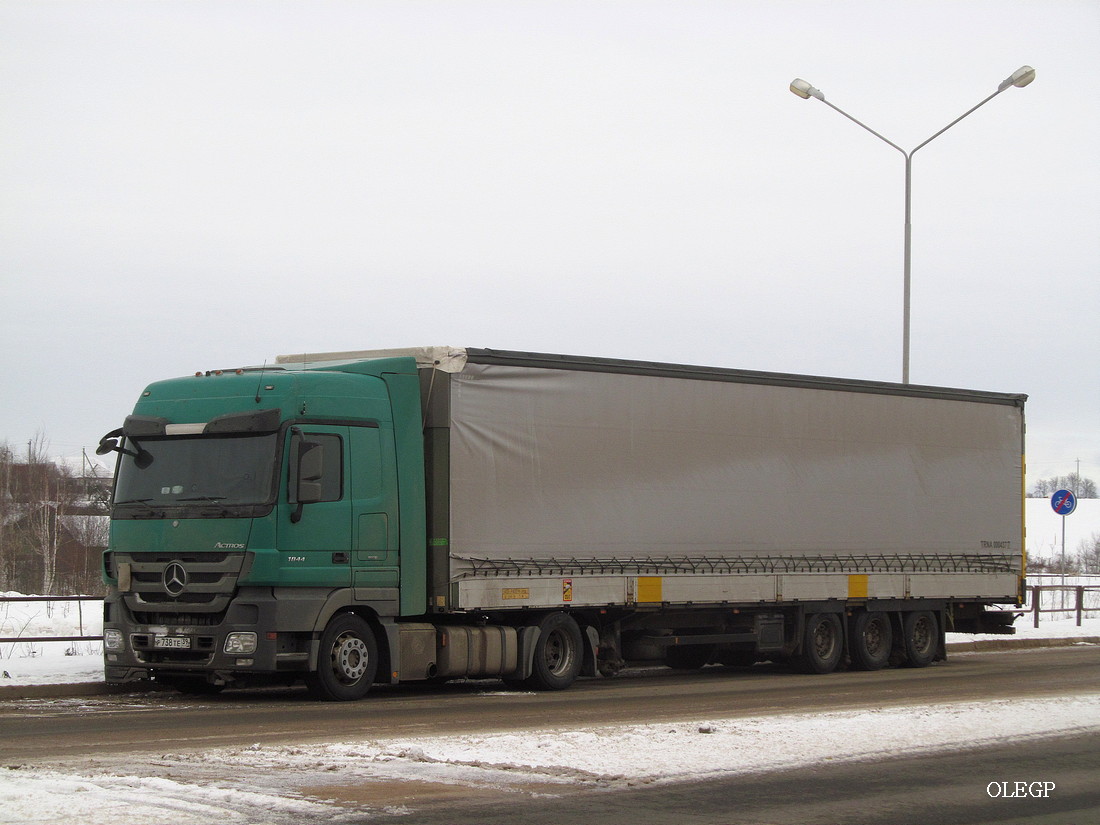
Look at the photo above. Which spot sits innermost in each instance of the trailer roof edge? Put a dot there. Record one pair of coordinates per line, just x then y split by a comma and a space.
727, 374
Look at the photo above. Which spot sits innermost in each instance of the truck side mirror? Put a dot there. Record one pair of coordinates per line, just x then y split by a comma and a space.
109, 443
112, 443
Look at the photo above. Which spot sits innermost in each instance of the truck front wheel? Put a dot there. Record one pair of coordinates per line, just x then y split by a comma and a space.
347, 662
558, 653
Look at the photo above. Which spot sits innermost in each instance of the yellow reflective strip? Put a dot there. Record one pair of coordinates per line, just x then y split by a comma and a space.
650, 589
857, 587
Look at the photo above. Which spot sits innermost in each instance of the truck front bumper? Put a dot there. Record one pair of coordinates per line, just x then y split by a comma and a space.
241, 645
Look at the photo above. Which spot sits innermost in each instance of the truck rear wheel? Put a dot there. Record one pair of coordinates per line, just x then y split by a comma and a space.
347, 662
822, 644
558, 653
870, 640
920, 637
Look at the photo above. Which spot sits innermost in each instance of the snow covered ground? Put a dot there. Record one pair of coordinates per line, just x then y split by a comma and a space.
31, 662
273, 785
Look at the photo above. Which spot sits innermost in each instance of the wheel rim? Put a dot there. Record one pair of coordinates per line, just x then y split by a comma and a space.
824, 640
558, 653
350, 658
922, 635
874, 637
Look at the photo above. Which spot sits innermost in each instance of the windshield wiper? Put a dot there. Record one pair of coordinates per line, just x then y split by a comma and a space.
148, 512
222, 512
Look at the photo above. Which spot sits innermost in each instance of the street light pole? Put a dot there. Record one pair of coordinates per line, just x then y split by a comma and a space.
1019, 78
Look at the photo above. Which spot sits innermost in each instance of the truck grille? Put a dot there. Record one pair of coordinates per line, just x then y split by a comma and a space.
179, 589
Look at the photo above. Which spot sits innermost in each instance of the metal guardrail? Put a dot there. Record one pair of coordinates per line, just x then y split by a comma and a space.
1078, 608
80, 618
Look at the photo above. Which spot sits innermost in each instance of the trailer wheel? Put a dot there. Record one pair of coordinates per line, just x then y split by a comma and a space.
822, 644
920, 637
558, 653
347, 662
870, 640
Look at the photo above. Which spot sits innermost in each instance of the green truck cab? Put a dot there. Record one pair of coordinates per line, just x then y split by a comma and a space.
253, 506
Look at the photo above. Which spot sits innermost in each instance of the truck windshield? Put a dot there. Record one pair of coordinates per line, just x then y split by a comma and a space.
227, 471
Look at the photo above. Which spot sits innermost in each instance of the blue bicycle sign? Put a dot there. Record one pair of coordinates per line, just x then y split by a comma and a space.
1064, 502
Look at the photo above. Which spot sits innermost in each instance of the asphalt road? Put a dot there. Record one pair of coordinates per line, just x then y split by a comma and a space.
940, 789
946, 788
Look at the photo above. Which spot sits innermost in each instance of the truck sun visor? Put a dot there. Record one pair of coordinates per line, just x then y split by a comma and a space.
259, 421
143, 426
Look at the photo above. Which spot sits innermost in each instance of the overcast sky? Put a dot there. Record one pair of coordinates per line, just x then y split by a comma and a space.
199, 185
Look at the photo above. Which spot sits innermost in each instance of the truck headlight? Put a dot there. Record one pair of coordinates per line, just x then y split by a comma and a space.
240, 644
112, 639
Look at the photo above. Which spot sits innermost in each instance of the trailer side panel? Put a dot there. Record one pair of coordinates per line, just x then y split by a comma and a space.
580, 466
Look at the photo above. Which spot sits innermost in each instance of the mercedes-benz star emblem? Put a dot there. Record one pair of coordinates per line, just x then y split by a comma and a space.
175, 579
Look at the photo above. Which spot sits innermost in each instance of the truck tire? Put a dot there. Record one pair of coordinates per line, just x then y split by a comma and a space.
347, 662
822, 644
920, 638
870, 640
558, 653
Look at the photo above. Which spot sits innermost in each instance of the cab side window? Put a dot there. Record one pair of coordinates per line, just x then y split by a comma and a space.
332, 479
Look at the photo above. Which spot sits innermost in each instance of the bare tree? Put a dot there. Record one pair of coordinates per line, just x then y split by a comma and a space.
1079, 485
1088, 552
42, 497
7, 519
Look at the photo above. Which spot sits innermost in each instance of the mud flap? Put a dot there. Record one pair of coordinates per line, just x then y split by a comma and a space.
591, 637
528, 637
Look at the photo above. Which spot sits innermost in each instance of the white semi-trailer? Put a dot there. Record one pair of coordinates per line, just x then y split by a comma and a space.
442, 512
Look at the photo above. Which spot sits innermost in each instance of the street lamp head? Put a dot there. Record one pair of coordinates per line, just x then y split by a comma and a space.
1019, 78
804, 90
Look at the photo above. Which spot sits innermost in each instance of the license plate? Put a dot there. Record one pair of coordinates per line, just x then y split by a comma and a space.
176, 642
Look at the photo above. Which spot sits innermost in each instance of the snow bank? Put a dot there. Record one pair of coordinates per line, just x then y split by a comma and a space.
45, 797
702, 749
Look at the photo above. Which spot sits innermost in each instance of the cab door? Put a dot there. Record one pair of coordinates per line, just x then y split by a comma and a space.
315, 529
373, 475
